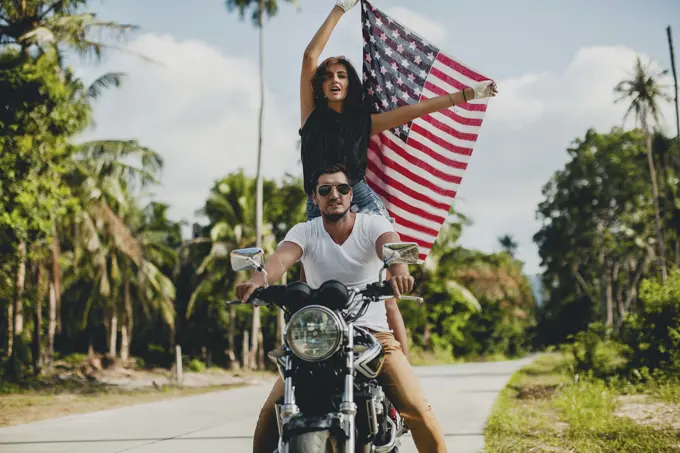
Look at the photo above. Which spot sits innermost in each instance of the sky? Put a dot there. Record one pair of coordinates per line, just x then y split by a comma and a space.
555, 63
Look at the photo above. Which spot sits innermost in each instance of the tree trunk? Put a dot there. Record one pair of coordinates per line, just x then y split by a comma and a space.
10, 329
619, 291
113, 332
426, 335
19, 292
605, 276
655, 195
260, 353
127, 324
609, 297
56, 272
256, 328
90, 347
233, 362
38, 358
51, 324
124, 342
244, 351
17, 319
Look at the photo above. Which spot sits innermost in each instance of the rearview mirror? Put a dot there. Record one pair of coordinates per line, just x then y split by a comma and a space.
400, 253
247, 259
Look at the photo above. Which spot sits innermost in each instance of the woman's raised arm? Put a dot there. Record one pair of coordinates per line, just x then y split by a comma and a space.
310, 60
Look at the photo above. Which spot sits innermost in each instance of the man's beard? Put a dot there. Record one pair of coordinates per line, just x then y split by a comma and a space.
334, 217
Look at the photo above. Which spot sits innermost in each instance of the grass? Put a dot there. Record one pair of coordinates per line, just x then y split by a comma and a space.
544, 409
420, 357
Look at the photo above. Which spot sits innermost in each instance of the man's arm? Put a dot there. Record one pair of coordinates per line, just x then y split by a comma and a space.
401, 280
396, 323
276, 265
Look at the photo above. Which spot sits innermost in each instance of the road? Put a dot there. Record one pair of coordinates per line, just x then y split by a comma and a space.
461, 396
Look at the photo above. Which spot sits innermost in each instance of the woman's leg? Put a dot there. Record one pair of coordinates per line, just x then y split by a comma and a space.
312, 209
366, 201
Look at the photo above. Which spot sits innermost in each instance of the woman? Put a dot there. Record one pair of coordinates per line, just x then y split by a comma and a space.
336, 125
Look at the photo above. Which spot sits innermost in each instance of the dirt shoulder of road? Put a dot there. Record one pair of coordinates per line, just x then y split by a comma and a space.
76, 390
545, 409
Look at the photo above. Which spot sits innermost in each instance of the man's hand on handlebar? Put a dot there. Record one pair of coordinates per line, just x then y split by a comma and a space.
245, 290
401, 284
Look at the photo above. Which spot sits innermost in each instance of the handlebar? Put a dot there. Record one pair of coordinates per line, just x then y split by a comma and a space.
420, 300
372, 292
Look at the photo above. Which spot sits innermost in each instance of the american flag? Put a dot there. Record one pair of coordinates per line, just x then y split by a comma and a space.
417, 168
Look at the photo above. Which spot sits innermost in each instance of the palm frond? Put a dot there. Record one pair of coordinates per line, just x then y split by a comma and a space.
121, 235
104, 82
468, 297
164, 291
111, 157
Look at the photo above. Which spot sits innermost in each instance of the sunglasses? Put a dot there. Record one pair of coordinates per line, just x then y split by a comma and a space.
325, 189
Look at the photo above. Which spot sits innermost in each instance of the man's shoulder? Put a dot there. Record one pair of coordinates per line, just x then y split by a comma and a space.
307, 226
374, 220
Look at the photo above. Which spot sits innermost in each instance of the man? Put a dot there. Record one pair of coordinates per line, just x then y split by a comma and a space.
346, 246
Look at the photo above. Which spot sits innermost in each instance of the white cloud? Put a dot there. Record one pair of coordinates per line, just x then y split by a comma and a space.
198, 109
524, 139
424, 26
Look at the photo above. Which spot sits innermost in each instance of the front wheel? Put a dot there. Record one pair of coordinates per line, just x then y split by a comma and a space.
314, 442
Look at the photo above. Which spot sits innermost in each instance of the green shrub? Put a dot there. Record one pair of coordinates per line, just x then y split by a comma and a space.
196, 365
652, 333
75, 359
594, 353
140, 362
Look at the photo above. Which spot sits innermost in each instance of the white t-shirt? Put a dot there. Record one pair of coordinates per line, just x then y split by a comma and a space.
354, 263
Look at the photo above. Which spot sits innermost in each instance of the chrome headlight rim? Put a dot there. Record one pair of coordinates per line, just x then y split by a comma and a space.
339, 332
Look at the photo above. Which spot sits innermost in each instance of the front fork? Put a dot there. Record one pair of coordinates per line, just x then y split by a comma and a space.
348, 407
289, 408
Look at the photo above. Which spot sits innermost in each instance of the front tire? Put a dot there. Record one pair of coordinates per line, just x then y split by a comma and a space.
313, 442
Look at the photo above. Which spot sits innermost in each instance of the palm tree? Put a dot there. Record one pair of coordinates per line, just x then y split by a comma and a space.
508, 244
259, 9
230, 210
114, 234
643, 91
45, 25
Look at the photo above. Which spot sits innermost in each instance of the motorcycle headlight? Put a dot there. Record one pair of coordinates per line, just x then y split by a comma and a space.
314, 333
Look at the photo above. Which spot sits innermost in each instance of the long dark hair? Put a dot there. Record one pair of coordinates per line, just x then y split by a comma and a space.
355, 93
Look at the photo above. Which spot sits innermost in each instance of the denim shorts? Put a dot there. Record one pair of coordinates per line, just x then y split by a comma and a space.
365, 200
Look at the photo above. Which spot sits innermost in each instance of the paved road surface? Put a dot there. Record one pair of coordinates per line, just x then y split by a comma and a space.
461, 395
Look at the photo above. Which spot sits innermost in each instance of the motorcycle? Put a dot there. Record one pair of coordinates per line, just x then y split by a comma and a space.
332, 401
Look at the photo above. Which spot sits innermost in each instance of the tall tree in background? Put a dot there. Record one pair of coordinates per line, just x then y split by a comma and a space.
644, 91
596, 238
42, 26
259, 8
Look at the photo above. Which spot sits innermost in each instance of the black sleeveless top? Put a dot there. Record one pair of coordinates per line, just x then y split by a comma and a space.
330, 138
